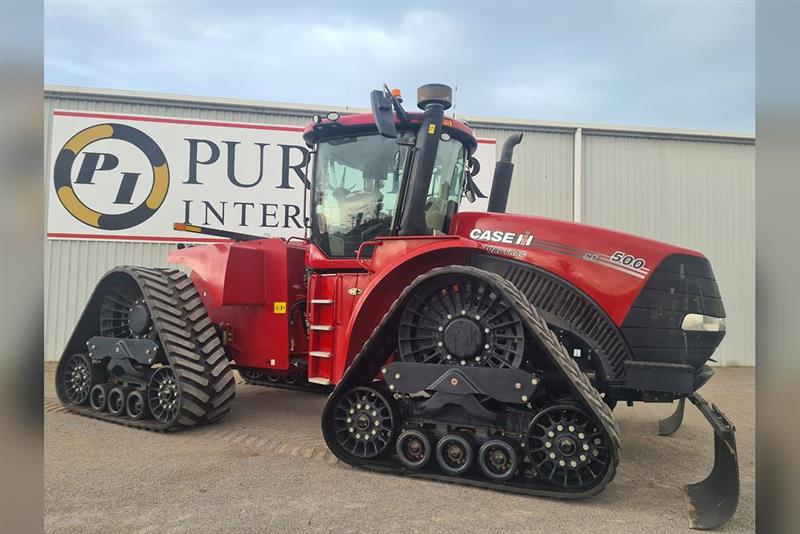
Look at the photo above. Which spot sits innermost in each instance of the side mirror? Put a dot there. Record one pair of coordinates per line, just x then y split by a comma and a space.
383, 114
474, 166
471, 191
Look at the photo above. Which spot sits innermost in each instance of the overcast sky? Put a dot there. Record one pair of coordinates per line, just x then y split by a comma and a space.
671, 64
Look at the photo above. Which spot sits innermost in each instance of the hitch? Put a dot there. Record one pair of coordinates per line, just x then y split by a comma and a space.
712, 501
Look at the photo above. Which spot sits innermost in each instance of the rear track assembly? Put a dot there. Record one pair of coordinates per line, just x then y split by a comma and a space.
147, 353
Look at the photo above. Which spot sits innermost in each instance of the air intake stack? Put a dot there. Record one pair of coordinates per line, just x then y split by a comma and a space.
433, 99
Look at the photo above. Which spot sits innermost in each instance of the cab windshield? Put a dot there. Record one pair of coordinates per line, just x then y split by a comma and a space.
357, 183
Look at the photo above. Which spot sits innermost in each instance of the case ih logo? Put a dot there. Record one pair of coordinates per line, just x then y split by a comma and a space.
96, 166
507, 238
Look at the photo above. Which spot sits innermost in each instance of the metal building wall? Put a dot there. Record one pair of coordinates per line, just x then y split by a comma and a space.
698, 194
542, 183
695, 193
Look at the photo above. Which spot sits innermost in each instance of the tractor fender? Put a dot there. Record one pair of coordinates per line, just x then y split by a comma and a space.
387, 284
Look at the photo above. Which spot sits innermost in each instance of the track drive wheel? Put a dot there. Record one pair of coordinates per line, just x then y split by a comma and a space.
366, 422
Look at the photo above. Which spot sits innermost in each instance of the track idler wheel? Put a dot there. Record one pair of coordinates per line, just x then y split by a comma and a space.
163, 395
498, 459
366, 422
414, 448
136, 404
567, 448
78, 377
455, 454
251, 374
116, 400
98, 397
292, 378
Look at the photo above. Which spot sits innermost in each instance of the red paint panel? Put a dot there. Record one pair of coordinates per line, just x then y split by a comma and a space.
561, 248
251, 286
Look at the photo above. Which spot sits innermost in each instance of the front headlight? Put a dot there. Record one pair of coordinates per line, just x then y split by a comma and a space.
695, 322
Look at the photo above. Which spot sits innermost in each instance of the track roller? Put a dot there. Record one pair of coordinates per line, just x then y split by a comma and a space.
136, 404
498, 459
98, 396
116, 400
414, 448
455, 453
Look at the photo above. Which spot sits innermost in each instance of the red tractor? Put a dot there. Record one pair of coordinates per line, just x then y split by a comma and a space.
481, 348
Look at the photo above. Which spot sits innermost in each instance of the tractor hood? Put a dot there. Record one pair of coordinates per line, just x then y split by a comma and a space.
611, 267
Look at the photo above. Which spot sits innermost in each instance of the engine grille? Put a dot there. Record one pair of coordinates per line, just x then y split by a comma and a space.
680, 284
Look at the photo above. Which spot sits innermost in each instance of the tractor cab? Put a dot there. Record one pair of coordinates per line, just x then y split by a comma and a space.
388, 173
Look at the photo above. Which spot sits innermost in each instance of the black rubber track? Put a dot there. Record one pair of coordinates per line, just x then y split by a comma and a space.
381, 343
189, 340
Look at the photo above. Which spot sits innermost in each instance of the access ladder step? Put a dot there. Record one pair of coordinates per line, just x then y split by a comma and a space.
321, 301
318, 380
322, 327
320, 354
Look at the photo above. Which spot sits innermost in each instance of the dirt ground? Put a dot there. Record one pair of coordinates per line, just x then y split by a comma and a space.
265, 468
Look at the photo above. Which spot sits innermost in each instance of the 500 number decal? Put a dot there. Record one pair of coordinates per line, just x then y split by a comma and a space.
627, 259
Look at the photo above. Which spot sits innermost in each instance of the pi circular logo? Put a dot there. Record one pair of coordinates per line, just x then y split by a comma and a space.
122, 212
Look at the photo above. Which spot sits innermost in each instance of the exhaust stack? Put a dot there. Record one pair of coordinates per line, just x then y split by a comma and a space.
503, 171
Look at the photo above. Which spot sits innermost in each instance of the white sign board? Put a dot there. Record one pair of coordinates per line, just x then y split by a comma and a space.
126, 177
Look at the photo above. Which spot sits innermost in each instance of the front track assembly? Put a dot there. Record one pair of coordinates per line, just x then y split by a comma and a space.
475, 412
145, 354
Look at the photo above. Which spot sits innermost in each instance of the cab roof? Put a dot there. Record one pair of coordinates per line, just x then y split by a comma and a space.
364, 123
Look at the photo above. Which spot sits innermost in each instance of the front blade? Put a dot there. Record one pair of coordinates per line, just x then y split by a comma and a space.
713, 501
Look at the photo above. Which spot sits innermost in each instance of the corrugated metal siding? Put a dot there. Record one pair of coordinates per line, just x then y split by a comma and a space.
695, 194
542, 183
71, 271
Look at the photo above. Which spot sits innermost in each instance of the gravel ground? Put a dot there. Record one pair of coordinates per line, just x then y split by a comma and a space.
265, 468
